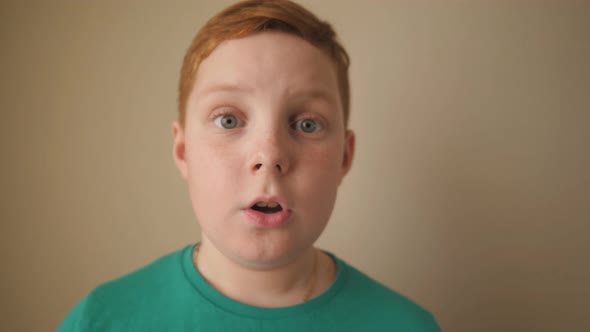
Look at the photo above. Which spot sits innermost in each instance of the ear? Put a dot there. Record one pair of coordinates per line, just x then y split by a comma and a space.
349, 142
178, 150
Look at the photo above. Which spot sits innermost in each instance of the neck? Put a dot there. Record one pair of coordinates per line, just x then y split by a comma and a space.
289, 284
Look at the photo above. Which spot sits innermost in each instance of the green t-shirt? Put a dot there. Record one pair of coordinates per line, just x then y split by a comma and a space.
170, 295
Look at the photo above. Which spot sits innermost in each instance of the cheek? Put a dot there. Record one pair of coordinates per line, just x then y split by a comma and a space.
323, 164
319, 179
213, 172
210, 161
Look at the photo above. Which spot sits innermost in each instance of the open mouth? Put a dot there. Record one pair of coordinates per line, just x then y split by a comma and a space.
267, 207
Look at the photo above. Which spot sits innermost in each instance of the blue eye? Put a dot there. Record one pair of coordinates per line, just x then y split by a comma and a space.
226, 121
308, 126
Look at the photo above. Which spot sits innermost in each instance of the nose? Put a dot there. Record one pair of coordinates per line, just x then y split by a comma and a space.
270, 155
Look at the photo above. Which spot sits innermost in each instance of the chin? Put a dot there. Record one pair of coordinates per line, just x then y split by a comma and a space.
267, 252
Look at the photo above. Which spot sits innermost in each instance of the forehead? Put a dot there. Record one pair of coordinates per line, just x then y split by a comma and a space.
270, 62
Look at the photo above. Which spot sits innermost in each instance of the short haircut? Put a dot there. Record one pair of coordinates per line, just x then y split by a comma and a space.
253, 16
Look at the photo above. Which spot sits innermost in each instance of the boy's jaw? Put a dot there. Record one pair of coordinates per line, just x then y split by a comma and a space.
275, 214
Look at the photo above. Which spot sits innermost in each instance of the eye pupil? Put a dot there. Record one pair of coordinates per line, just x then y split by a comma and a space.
308, 125
228, 121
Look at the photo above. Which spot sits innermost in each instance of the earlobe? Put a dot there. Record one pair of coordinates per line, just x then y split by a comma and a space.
178, 150
349, 145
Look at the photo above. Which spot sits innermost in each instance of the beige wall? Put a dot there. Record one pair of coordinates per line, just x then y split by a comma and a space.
470, 190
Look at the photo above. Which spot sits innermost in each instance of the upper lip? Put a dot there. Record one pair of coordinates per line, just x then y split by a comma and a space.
268, 199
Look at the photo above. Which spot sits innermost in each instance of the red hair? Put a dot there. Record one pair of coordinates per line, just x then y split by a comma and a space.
253, 16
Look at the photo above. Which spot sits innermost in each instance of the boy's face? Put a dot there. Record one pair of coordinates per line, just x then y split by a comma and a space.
264, 123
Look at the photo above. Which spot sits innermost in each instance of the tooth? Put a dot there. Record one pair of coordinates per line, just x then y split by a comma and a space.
272, 205
261, 204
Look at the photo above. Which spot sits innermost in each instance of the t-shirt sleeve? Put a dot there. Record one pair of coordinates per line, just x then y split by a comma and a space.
73, 321
431, 324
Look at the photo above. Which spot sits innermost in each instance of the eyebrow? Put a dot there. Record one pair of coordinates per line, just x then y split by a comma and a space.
315, 93
225, 87
305, 94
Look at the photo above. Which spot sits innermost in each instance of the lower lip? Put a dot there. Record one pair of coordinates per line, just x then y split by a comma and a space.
267, 220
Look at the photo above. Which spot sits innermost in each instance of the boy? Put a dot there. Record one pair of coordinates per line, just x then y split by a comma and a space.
263, 144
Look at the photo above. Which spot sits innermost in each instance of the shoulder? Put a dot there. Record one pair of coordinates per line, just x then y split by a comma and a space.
155, 277
384, 306
127, 294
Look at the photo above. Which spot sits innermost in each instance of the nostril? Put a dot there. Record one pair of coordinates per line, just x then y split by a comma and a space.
278, 167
